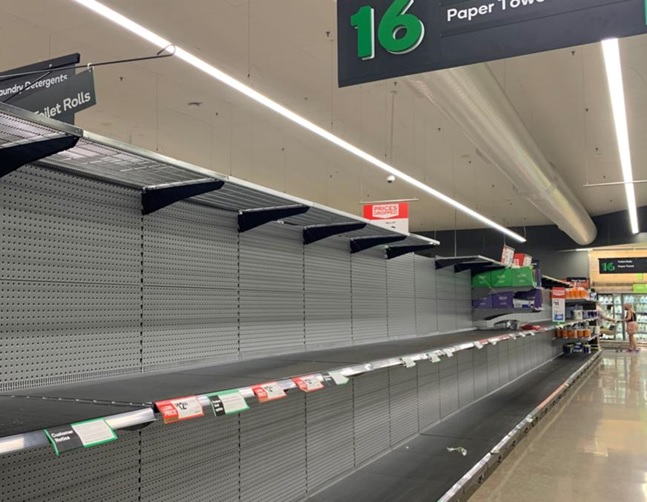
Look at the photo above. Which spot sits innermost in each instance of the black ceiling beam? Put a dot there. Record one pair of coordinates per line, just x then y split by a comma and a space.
360, 244
253, 218
158, 197
14, 157
396, 251
315, 233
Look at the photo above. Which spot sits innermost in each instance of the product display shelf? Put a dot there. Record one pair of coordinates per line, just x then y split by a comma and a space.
164, 181
549, 282
130, 400
425, 469
480, 292
476, 264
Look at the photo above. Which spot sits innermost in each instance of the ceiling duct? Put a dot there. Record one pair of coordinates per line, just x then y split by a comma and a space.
472, 97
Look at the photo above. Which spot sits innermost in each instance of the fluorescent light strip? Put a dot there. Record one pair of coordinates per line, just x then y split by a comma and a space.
611, 50
207, 68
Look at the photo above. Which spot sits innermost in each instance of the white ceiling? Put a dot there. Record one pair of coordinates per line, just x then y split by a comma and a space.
286, 49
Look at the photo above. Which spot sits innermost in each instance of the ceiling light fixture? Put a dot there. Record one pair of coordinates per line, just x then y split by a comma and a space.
228, 80
613, 65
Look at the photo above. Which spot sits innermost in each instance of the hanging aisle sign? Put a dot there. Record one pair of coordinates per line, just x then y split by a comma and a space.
392, 215
379, 39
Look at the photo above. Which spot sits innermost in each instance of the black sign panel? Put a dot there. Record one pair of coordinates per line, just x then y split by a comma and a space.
70, 95
623, 265
64, 439
17, 88
379, 39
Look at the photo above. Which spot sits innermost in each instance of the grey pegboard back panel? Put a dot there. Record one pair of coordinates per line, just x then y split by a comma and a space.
56, 227
51, 331
401, 317
403, 400
271, 322
327, 267
448, 386
271, 259
492, 367
108, 472
371, 404
329, 435
400, 277
465, 377
447, 320
425, 276
428, 394
480, 373
446, 284
426, 316
184, 325
273, 451
187, 245
328, 320
504, 363
370, 309
195, 460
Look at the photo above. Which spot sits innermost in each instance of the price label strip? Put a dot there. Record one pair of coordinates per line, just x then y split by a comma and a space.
270, 391
228, 402
448, 352
408, 362
80, 435
309, 383
179, 409
337, 377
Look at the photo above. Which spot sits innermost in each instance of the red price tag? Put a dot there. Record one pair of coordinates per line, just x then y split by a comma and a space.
181, 408
270, 391
308, 383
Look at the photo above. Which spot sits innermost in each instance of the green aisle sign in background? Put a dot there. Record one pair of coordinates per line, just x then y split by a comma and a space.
380, 39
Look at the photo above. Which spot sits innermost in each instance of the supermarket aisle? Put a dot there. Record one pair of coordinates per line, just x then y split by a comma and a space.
591, 448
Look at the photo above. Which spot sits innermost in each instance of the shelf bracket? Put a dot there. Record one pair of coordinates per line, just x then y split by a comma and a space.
14, 157
396, 251
253, 218
158, 197
360, 244
315, 233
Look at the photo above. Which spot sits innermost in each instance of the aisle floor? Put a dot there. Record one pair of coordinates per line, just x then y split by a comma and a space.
592, 448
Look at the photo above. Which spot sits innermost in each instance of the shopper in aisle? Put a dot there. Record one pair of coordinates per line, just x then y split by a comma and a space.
631, 323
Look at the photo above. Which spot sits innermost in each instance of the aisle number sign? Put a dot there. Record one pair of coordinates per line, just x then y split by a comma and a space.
379, 39
179, 409
394, 215
559, 304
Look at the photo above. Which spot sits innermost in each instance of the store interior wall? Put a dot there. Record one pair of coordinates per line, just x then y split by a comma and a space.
555, 251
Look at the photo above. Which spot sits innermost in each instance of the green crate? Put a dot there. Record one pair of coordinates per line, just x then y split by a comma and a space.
481, 280
501, 278
523, 276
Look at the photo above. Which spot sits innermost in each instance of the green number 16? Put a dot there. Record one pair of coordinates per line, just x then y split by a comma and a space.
398, 32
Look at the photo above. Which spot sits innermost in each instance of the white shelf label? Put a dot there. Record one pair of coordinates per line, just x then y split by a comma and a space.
408, 362
478, 345
227, 402
448, 352
309, 383
338, 378
270, 391
434, 357
181, 408
94, 432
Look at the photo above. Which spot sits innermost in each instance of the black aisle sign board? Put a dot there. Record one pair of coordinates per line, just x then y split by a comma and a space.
13, 89
68, 97
379, 39
623, 265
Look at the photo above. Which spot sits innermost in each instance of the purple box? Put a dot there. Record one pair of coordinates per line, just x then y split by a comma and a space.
534, 295
483, 303
503, 300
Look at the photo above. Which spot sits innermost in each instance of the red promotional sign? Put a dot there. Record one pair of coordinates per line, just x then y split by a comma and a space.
558, 292
392, 215
181, 408
268, 392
